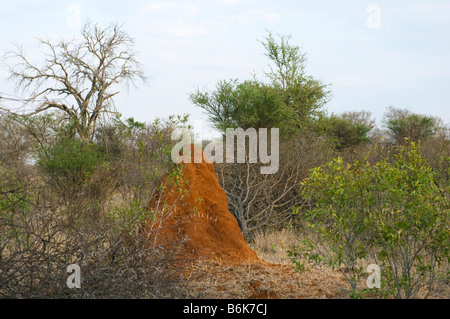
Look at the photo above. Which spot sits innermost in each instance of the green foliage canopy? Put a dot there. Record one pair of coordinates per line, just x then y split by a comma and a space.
290, 99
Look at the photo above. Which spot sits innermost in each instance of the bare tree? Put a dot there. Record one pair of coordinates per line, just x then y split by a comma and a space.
78, 77
267, 201
257, 200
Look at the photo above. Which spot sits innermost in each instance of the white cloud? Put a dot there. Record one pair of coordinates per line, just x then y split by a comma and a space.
173, 19
265, 16
433, 12
185, 29
187, 8
232, 63
232, 1
158, 6
433, 6
223, 21
177, 26
250, 17
235, 18
354, 81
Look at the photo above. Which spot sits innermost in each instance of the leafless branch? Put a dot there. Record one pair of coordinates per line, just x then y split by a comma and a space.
80, 78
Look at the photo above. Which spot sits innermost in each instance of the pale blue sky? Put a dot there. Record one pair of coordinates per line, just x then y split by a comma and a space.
402, 60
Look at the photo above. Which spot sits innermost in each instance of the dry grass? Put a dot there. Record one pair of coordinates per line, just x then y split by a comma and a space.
271, 246
274, 277
264, 281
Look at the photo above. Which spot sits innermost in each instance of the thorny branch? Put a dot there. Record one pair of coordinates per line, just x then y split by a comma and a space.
78, 77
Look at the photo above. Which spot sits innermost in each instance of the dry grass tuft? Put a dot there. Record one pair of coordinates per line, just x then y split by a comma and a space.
271, 245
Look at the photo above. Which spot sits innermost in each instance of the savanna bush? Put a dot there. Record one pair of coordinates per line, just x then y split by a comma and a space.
69, 162
391, 213
64, 209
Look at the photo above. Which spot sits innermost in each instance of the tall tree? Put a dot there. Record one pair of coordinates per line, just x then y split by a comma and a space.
79, 77
290, 99
246, 104
302, 93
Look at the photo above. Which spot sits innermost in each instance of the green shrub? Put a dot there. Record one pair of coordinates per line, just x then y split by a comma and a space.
345, 132
339, 219
401, 124
69, 162
411, 223
391, 213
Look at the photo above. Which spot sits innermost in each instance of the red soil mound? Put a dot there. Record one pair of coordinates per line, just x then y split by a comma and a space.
201, 215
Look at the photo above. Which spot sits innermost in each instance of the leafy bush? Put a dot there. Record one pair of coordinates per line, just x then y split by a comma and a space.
391, 213
69, 161
345, 132
401, 124
139, 153
339, 218
411, 223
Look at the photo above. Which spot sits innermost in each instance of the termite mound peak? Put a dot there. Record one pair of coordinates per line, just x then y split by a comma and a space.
199, 212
